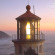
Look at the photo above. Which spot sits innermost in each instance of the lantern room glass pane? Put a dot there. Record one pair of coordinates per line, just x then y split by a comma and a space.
35, 31
22, 29
32, 23
32, 29
35, 36
38, 31
36, 24
38, 36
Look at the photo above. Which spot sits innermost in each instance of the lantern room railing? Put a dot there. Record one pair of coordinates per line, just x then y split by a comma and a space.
42, 37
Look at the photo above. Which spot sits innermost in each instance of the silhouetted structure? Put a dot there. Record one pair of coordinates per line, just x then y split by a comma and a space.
30, 51
28, 40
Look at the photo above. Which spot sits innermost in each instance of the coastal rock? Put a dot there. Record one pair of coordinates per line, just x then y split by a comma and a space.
3, 35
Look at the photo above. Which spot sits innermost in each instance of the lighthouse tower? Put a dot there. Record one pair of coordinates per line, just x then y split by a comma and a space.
28, 40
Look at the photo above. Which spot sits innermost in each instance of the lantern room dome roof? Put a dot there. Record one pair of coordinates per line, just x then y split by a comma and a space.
28, 15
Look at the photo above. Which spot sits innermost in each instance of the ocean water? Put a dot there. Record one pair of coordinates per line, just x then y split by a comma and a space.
7, 46
49, 46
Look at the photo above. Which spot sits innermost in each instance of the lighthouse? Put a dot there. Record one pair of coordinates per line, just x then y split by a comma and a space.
28, 40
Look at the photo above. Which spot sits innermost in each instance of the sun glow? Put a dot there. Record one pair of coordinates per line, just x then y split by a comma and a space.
28, 30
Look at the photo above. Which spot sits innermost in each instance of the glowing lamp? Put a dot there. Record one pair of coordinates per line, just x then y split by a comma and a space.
28, 31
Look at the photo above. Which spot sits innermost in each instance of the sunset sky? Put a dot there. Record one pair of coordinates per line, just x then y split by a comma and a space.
10, 9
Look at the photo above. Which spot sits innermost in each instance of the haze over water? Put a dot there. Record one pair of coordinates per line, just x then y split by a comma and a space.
7, 47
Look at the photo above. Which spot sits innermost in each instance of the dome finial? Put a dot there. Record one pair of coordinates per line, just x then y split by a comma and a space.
28, 7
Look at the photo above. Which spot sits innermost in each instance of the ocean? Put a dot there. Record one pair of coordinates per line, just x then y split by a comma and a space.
7, 46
